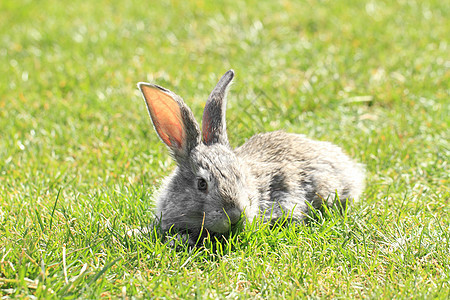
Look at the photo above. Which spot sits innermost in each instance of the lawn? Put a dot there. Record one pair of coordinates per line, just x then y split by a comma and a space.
80, 161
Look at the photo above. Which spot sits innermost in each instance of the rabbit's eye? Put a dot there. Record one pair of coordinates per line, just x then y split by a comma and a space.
202, 185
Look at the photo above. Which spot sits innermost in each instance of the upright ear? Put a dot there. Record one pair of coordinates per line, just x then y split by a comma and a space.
214, 127
172, 120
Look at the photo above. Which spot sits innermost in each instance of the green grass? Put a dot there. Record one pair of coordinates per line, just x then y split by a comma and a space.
79, 160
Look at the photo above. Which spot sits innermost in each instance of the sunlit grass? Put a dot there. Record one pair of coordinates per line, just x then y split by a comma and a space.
79, 161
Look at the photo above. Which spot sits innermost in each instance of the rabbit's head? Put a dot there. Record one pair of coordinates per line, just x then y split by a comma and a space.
207, 189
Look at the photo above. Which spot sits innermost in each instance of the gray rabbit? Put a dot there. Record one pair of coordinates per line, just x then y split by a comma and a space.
272, 175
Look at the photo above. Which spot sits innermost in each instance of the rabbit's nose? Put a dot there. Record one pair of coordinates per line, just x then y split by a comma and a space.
234, 214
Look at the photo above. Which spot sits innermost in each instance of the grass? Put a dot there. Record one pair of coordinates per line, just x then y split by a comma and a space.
79, 160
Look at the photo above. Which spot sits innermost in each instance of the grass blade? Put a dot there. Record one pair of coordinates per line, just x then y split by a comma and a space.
54, 207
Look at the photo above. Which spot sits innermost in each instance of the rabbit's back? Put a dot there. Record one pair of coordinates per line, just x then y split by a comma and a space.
285, 171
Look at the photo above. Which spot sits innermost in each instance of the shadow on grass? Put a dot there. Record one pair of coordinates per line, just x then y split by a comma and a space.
241, 236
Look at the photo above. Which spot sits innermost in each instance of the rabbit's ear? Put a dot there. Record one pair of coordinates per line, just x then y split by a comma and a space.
214, 127
172, 119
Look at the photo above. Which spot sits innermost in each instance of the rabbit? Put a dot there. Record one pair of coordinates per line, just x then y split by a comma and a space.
272, 175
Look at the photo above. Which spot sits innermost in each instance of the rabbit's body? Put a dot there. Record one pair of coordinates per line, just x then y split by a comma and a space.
272, 174
289, 172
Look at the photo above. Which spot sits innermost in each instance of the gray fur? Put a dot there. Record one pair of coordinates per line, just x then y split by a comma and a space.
272, 174
297, 170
